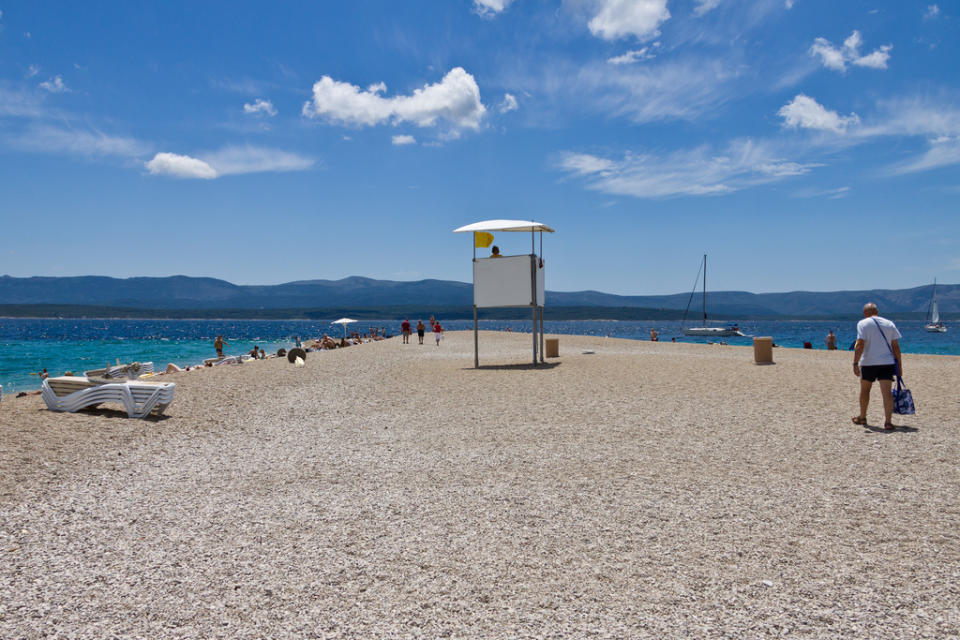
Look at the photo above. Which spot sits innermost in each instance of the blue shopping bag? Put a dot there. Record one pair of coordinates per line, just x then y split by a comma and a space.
903, 400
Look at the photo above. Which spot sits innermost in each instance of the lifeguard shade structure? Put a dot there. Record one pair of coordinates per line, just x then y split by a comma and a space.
509, 281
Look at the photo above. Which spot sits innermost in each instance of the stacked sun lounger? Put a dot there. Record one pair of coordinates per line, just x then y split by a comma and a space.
72, 393
216, 362
133, 370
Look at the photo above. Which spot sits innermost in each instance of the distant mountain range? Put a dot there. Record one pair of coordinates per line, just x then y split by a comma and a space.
187, 293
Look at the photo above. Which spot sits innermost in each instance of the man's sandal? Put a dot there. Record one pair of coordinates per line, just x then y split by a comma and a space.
859, 420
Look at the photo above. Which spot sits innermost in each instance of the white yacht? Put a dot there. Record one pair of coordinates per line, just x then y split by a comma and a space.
704, 331
934, 323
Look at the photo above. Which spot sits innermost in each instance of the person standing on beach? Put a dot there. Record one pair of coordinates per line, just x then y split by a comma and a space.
654, 336
831, 341
876, 356
420, 330
218, 345
405, 330
437, 332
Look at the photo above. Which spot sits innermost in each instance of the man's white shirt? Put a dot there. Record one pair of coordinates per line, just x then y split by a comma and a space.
875, 349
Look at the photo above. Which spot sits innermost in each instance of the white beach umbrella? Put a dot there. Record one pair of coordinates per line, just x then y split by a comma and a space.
344, 322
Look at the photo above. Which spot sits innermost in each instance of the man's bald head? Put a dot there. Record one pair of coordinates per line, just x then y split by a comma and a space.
870, 309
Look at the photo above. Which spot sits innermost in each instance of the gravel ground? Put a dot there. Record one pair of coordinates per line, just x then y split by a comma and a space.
392, 491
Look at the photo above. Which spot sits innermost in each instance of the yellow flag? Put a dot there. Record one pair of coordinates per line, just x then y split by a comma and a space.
482, 239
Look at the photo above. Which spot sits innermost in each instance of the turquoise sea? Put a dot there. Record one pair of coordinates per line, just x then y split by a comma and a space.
28, 345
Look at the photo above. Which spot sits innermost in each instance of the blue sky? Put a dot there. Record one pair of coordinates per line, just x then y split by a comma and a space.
801, 144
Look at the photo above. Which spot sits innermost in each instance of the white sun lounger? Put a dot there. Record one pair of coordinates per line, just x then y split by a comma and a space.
132, 370
72, 393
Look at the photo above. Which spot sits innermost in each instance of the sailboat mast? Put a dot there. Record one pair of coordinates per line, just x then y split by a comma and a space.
704, 289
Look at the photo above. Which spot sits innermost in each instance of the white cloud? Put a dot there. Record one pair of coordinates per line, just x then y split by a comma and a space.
932, 11
694, 172
490, 7
509, 103
248, 159
584, 164
455, 99
87, 142
623, 18
33, 70
832, 194
171, 164
682, 89
943, 152
830, 56
232, 160
705, 6
805, 112
934, 120
875, 60
54, 85
633, 56
260, 106
403, 140
837, 58
20, 104
788, 4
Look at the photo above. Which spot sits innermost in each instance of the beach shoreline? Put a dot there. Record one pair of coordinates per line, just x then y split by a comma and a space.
385, 490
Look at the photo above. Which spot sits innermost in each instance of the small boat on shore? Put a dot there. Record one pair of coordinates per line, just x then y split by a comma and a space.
704, 331
934, 323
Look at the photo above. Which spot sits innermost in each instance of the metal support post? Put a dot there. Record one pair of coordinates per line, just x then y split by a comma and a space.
533, 300
541, 334
476, 340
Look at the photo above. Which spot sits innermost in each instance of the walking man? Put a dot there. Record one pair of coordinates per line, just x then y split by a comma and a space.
405, 330
876, 357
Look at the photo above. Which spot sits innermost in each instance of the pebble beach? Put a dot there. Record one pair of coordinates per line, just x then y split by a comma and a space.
645, 490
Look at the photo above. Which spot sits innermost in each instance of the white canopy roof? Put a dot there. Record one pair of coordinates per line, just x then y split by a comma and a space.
504, 225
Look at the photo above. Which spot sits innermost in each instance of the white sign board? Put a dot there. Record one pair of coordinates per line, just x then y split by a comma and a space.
506, 282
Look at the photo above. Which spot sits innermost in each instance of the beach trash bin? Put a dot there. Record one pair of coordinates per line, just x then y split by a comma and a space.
552, 347
763, 350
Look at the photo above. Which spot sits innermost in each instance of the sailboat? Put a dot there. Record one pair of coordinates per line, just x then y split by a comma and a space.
703, 330
934, 324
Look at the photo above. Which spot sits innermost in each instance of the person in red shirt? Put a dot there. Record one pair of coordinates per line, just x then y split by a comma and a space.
405, 330
437, 332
